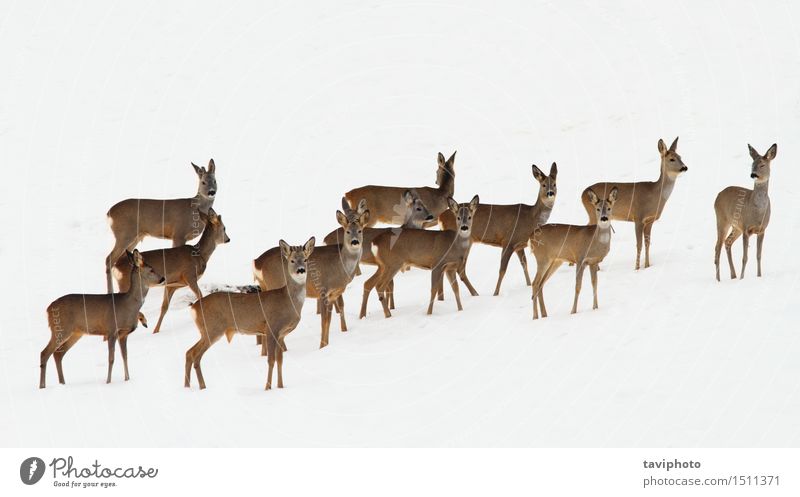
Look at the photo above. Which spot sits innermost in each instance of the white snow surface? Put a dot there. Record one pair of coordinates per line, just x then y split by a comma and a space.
298, 102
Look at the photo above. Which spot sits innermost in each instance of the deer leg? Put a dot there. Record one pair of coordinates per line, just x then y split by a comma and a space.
721, 232
728, 244
279, 360
745, 247
504, 258
319, 306
538, 282
193, 357
759, 245
451, 275
384, 296
112, 342
168, 292
647, 229
271, 356
339, 303
368, 286
593, 273
390, 290
523, 260
437, 276
639, 234
49, 349
327, 311
123, 350
62, 349
579, 267
462, 273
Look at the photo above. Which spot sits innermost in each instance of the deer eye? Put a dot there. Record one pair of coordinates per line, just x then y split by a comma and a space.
360, 231
672, 160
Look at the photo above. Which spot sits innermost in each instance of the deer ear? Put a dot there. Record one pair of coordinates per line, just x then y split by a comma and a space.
440, 159
537, 173
473, 204
662, 147
674, 145
341, 218
452, 159
612, 197
137, 258
198, 170
453, 205
364, 218
286, 250
554, 170
211, 166
771, 152
592, 196
309, 247
362, 206
408, 197
753, 152
346, 206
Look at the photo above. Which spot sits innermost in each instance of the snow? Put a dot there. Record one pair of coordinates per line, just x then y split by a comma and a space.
300, 102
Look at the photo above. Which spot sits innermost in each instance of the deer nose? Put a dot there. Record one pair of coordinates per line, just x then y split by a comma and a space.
684, 169
551, 194
464, 227
604, 219
227, 239
162, 280
754, 175
429, 218
301, 270
354, 243
211, 193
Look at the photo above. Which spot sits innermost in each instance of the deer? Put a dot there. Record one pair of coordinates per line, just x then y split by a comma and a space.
112, 315
177, 219
441, 252
744, 212
181, 266
582, 246
416, 214
510, 227
642, 202
272, 314
330, 269
386, 202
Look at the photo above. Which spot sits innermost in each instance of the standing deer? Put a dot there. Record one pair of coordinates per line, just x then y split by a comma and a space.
441, 252
642, 202
510, 226
181, 266
386, 202
745, 212
415, 216
111, 315
272, 314
330, 269
176, 219
583, 246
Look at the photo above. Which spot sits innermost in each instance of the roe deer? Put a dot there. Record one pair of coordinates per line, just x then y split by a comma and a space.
177, 219
416, 215
510, 226
386, 203
583, 246
642, 202
181, 266
745, 212
330, 269
441, 252
112, 316
272, 314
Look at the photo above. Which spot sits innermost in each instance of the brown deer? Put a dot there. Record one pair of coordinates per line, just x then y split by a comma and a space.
330, 269
181, 266
387, 205
744, 212
441, 252
510, 226
176, 219
642, 202
582, 246
112, 315
416, 214
272, 314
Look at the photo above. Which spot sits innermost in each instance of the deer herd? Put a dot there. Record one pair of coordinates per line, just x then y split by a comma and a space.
287, 275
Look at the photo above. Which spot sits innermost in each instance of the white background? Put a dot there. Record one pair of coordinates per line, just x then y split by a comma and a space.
300, 102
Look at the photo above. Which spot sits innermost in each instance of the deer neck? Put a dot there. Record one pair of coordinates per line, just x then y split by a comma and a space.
137, 292
205, 247
761, 195
665, 183
296, 292
202, 203
351, 257
603, 235
540, 212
